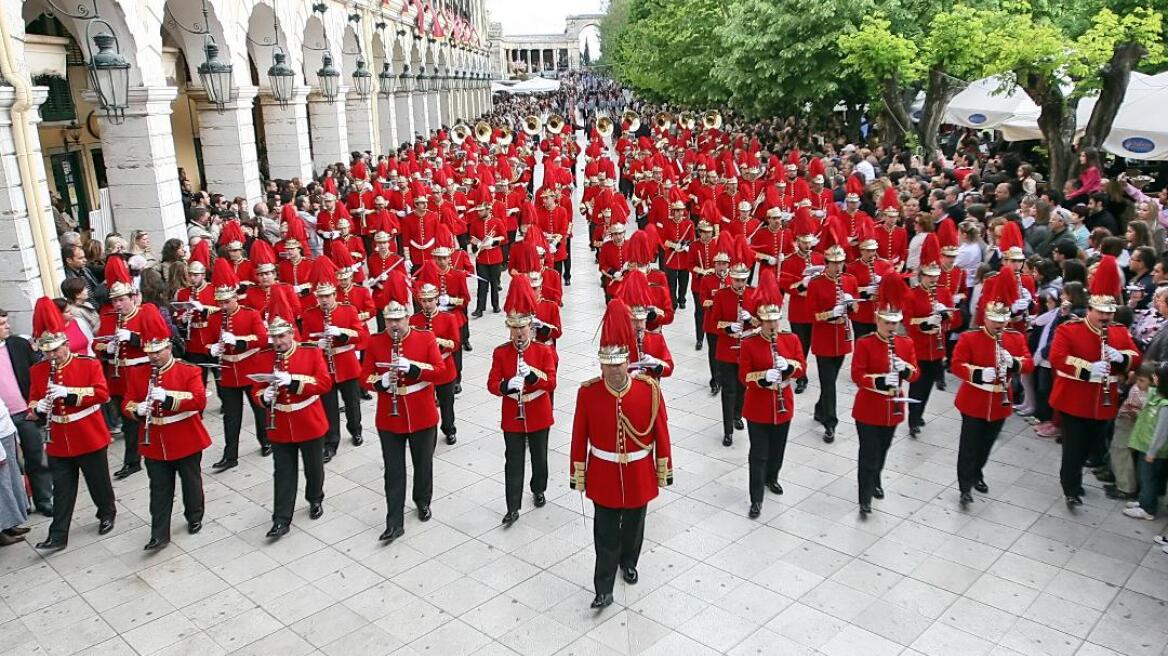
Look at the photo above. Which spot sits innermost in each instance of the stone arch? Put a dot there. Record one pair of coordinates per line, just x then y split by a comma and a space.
263, 26
140, 47
181, 15
350, 47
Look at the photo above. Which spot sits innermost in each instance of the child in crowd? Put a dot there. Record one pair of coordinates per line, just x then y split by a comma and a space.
1149, 440
1123, 465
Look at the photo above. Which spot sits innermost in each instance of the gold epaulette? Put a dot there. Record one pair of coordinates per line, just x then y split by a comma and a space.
590, 381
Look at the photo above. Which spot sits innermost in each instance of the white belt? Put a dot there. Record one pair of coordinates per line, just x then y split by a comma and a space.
129, 362
76, 416
299, 405
410, 389
173, 419
343, 349
526, 397
619, 458
238, 357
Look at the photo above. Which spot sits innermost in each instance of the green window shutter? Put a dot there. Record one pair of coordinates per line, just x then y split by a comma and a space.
59, 105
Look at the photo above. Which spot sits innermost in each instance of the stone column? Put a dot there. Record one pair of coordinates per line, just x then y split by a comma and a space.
359, 119
286, 136
141, 168
387, 124
555, 59
434, 110
538, 61
403, 109
329, 128
228, 142
421, 115
21, 282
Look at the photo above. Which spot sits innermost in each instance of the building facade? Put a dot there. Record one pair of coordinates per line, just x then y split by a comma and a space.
55, 140
536, 54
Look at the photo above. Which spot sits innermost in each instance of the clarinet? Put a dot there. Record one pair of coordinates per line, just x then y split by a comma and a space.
839, 299
328, 342
54, 371
932, 294
394, 354
155, 374
1107, 373
276, 368
117, 354
782, 407
522, 414
896, 409
1001, 367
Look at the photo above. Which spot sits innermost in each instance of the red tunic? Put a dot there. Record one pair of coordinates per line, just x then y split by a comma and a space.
446, 328
345, 347
251, 335
829, 336
200, 337
418, 236
359, 297
610, 429
479, 232
1076, 346
76, 424
725, 311
866, 275
675, 234
299, 412
791, 281
537, 387
892, 244
707, 288
297, 274
130, 354
873, 404
756, 356
918, 307
611, 260
416, 402
976, 351
176, 424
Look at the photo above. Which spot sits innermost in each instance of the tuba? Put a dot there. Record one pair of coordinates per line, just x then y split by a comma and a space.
555, 124
633, 119
663, 120
712, 120
604, 126
532, 125
686, 120
460, 133
482, 132
505, 136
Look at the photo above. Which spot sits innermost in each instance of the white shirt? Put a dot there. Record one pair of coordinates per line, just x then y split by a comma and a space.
866, 169
968, 259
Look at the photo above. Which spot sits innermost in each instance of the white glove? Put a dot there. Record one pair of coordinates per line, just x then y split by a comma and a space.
892, 379
938, 308
898, 365
958, 298
781, 364
269, 395
409, 266
524, 369
1026, 295
873, 289
743, 315
736, 328
56, 391
44, 405
1020, 305
989, 375
158, 394
227, 338
685, 249
819, 214
124, 334
216, 350
650, 361
111, 347
935, 320
848, 298
876, 280
283, 379
1113, 354
805, 281
770, 259
196, 306
444, 299
1100, 369
773, 375
386, 380
333, 331
402, 364
143, 408
838, 311
515, 384
322, 343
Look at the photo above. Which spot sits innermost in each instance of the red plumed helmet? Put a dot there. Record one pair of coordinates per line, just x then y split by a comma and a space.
324, 276
890, 201
1010, 242
281, 316
523, 258
1000, 292
947, 234
395, 298
200, 261
262, 256
48, 325
768, 297
891, 296
154, 332
634, 291
341, 256
117, 278
1106, 285
521, 302
617, 336
224, 280
231, 236
930, 255
638, 250
816, 170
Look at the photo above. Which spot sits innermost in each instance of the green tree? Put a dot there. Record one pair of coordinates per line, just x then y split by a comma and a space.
885, 62
587, 56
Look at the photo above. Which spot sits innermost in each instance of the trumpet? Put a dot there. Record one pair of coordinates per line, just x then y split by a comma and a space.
394, 354
604, 126
532, 125
554, 124
155, 374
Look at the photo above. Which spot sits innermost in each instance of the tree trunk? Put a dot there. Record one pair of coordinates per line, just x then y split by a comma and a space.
899, 121
1057, 123
940, 91
1116, 76
853, 116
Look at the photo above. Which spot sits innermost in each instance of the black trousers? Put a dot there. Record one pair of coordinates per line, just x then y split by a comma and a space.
859, 328
699, 315
162, 474
464, 333
463, 240
920, 389
97, 478
232, 398
130, 429
393, 453
564, 266
287, 475
678, 283
768, 443
803, 332
618, 534
350, 391
828, 369
203, 358
32, 445
445, 394
711, 346
507, 247
733, 394
977, 438
489, 273
516, 443
874, 443
1081, 437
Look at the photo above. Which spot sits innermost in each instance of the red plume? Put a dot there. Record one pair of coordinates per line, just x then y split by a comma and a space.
520, 297
231, 232
930, 250
890, 199
634, 290
202, 253
638, 250
340, 255
768, 292
616, 329
1106, 280
523, 258
1011, 237
947, 233
223, 275
116, 271
815, 167
324, 272
262, 253
892, 292
46, 318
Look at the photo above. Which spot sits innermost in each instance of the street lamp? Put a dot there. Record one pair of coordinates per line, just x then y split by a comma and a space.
385, 81
108, 70
407, 80
281, 77
216, 75
329, 77
362, 78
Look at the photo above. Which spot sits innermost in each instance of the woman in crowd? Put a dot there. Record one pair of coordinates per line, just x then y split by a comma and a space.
140, 245
80, 337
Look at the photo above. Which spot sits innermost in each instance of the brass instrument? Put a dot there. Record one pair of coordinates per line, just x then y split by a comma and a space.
686, 120
633, 118
522, 414
1107, 373
482, 132
554, 124
328, 341
394, 354
781, 409
276, 368
155, 374
604, 126
532, 125
663, 121
117, 354
1000, 365
460, 133
712, 120
505, 136
897, 411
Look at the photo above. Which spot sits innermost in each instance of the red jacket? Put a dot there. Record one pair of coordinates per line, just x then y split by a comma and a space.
929, 339
176, 424
756, 356
975, 352
297, 275
725, 311
1076, 345
480, 230
829, 336
873, 404
418, 236
791, 281
613, 426
707, 288
299, 412
200, 337
673, 235
76, 425
446, 328
866, 275
354, 334
360, 298
416, 402
130, 354
537, 387
892, 245
251, 335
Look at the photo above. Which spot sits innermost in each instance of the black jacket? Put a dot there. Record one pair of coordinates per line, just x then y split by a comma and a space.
23, 357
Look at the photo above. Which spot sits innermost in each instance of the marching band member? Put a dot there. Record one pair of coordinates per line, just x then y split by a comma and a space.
766, 364
733, 320
831, 297
677, 234
201, 295
709, 286
620, 453
651, 354
881, 362
795, 275
523, 373
67, 391
488, 234
613, 258
701, 265
928, 308
868, 270
443, 322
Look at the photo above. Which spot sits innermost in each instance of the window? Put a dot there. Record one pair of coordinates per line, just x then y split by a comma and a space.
59, 105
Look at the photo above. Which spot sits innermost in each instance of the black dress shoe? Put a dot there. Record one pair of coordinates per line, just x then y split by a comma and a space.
981, 486
630, 575
457, 389
266, 450
940, 384
602, 601
105, 526
966, 499
315, 510
224, 465
1113, 492
424, 514
467, 347
511, 517
800, 386
865, 509
829, 434
194, 527
495, 310
715, 389
477, 314
728, 440
329, 454
698, 345
278, 530
775, 488
567, 282
913, 431
357, 440
681, 305
154, 544
45, 509
540, 500
1073, 501
755, 510
878, 492
17, 531
451, 439
52, 544
127, 471
391, 534
738, 425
